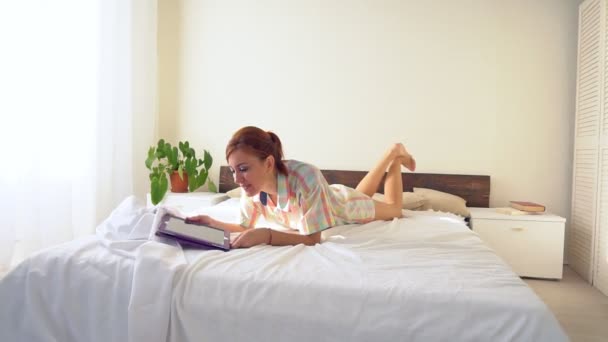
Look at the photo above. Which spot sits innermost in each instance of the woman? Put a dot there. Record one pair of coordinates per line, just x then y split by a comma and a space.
296, 194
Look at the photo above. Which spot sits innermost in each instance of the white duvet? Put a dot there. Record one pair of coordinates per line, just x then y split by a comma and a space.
421, 278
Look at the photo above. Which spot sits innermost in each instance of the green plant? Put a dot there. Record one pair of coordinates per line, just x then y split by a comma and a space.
164, 159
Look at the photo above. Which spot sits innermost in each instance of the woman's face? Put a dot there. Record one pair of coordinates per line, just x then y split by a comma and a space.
249, 172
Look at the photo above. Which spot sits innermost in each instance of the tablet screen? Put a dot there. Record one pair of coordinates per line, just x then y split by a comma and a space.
205, 233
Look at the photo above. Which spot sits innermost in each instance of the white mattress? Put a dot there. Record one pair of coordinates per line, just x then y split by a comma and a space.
425, 277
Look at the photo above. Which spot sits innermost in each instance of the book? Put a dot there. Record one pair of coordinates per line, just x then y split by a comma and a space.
528, 206
176, 212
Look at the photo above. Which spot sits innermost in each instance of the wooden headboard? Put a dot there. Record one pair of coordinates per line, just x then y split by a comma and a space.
474, 189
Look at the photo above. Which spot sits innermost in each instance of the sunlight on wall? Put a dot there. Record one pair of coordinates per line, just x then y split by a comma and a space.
48, 87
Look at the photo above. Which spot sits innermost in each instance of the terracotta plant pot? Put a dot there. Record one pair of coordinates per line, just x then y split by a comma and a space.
177, 184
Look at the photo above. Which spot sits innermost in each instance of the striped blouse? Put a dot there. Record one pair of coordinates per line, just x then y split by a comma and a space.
307, 203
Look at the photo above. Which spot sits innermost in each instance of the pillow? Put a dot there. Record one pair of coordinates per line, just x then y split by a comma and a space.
411, 200
442, 201
234, 193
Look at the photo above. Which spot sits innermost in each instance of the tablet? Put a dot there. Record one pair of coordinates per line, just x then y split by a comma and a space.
193, 233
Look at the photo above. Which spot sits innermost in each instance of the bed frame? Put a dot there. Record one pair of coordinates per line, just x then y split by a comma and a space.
474, 189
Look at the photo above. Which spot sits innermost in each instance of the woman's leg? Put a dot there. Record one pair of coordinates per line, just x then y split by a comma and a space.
393, 190
369, 184
396, 156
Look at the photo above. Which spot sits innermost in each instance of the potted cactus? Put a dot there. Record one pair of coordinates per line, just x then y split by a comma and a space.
179, 163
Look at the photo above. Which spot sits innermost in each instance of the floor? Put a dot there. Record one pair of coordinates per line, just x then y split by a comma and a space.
580, 308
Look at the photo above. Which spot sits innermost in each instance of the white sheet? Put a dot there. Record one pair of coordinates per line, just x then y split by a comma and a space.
422, 278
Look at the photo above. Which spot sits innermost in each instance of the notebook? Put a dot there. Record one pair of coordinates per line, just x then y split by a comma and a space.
192, 233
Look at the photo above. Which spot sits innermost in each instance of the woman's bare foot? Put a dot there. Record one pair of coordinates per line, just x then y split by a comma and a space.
399, 151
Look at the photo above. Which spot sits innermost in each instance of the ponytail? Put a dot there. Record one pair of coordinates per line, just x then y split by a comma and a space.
260, 143
278, 152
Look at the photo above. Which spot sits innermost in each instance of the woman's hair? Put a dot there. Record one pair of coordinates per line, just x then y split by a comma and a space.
259, 143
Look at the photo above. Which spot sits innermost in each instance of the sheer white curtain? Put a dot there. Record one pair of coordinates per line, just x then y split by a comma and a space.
77, 112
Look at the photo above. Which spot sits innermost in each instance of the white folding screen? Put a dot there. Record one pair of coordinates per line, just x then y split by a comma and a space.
587, 240
585, 183
600, 260
600, 276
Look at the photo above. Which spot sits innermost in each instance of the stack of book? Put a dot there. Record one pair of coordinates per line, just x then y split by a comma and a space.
522, 208
529, 207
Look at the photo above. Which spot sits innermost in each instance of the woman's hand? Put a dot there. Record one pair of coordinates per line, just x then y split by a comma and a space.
201, 219
253, 237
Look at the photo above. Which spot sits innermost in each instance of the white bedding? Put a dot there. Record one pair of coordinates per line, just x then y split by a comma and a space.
426, 277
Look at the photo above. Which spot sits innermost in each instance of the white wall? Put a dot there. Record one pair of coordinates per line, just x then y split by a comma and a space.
471, 87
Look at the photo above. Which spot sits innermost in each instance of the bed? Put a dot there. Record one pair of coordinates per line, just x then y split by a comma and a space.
425, 277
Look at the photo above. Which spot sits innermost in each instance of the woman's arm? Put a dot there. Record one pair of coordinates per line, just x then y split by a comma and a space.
253, 237
288, 238
231, 227
211, 222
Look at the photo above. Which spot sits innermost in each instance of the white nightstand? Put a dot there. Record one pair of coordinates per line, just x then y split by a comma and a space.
533, 245
190, 202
